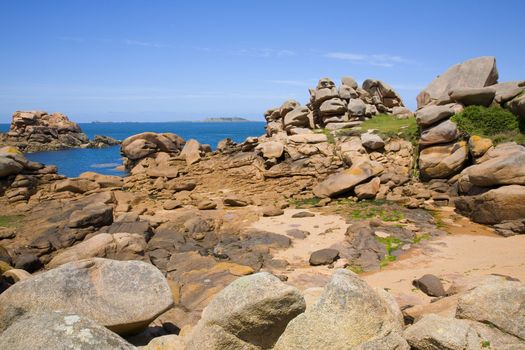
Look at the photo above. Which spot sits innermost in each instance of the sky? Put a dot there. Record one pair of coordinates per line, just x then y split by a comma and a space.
159, 60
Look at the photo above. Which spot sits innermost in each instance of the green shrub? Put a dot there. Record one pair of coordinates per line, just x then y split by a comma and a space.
391, 126
488, 122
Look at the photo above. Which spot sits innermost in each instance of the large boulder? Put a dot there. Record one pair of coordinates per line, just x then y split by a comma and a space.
60, 331
251, 313
438, 332
348, 315
372, 141
501, 304
432, 114
191, 151
9, 167
141, 145
494, 206
347, 179
443, 161
124, 296
297, 117
473, 96
117, 246
507, 169
356, 107
332, 106
271, 149
443, 132
475, 73
33, 131
517, 106
95, 214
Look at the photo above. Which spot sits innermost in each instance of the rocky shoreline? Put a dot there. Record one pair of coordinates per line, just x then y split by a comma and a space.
193, 249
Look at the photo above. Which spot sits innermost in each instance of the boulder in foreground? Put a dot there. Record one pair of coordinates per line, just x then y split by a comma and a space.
349, 315
60, 331
124, 296
251, 313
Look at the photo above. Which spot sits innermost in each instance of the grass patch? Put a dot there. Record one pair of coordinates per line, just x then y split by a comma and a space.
390, 126
496, 123
304, 203
329, 136
391, 244
355, 269
11, 221
485, 344
438, 221
418, 238
371, 209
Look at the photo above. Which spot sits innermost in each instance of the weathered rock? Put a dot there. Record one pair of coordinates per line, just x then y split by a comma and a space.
206, 205
323, 257
191, 151
272, 211
439, 162
432, 114
272, 149
430, 285
117, 246
372, 141
172, 204
251, 312
437, 332
124, 296
356, 107
16, 275
303, 214
297, 117
473, 96
33, 131
503, 170
349, 81
308, 138
75, 185
494, 206
104, 181
368, 190
332, 106
443, 132
348, 315
347, 179
500, 304
141, 145
9, 167
92, 215
166, 342
60, 331
478, 146
233, 201
475, 73
517, 106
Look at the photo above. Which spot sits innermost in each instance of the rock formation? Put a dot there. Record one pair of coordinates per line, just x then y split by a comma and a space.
335, 108
35, 131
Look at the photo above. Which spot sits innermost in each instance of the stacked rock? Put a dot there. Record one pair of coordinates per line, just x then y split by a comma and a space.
335, 108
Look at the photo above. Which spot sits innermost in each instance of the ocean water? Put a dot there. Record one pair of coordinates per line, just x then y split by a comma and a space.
73, 162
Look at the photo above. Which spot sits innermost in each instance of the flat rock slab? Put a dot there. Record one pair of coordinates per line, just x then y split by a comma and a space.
124, 296
430, 285
303, 214
324, 257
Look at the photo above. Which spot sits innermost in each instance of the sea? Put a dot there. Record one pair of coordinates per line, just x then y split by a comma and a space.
73, 162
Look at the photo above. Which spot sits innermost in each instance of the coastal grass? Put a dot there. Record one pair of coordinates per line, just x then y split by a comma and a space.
494, 122
390, 126
304, 203
391, 244
364, 210
421, 237
10, 220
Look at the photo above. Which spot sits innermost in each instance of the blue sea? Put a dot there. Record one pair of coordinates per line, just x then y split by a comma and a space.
73, 162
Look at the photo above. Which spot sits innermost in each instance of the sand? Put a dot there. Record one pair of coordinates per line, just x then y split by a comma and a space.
468, 250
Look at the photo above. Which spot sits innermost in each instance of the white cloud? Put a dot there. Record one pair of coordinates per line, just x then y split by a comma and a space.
144, 43
263, 52
380, 60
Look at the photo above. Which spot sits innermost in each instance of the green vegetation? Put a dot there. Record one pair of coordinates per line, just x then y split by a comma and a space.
485, 344
329, 136
422, 237
390, 126
370, 209
391, 244
493, 122
355, 269
10, 221
304, 203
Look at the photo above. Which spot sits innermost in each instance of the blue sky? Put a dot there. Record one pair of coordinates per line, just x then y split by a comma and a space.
155, 60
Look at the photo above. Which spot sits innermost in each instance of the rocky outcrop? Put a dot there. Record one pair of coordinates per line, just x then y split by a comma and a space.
251, 313
475, 73
35, 131
60, 331
349, 314
122, 296
334, 108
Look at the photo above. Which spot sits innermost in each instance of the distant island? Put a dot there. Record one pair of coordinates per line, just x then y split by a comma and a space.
226, 119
